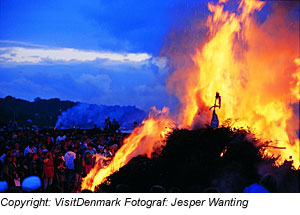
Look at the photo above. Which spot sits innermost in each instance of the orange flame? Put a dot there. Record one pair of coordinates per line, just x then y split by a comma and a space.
255, 68
144, 140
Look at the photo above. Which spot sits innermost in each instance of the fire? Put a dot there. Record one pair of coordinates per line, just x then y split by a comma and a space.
256, 70
144, 140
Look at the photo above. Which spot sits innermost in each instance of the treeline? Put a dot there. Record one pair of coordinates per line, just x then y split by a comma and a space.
42, 112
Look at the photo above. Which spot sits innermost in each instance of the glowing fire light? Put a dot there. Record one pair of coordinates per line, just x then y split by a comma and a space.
256, 69
144, 140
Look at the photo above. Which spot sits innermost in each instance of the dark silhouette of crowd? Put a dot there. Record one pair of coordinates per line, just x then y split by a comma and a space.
60, 158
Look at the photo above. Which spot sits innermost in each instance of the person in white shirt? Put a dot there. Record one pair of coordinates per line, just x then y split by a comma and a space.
70, 174
60, 138
69, 158
30, 149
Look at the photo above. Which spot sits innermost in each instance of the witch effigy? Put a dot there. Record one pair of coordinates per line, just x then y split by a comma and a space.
214, 120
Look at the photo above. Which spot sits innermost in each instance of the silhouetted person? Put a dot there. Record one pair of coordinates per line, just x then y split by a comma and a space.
157, 189
78, 169
269, 182
214, 120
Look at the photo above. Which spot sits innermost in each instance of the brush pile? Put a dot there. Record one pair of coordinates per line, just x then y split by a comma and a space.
205, 160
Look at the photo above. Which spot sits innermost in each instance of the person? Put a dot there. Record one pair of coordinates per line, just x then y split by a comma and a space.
101, 151
113, 141
60, 138
17, 150
48, 170
157, 189
101, 143
60, 175
25, 166
113, 149
9, 171
78, 169
17, 180
69, 159
88, 163
49, 143
69, 163
15, 163
82, 147
115, 125
107, 125
43, 148
34, 166
30, 149
270, 183
91, 150
40, 163
106, 152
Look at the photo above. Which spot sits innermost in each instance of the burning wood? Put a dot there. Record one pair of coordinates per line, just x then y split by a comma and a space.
144, 140
257, 75
190, 161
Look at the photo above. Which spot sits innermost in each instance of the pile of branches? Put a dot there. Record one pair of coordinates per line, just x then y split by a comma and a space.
205, 160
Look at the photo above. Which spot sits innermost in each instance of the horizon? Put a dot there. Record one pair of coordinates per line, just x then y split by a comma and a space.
82, 51
62, 100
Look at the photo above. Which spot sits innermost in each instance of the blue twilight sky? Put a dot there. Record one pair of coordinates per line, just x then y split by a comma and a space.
92, 51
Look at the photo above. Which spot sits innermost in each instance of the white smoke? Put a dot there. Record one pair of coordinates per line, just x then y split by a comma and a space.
87, 115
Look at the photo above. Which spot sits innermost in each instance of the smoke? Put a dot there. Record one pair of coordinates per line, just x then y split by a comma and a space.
87, 115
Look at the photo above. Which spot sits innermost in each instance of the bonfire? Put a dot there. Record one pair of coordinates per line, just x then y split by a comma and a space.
255, 68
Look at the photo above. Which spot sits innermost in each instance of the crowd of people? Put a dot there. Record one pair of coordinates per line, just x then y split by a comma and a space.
54, 160
60, 158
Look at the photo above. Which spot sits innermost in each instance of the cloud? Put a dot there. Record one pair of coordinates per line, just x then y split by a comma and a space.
91, 76
23, 55
99, 81
20, 43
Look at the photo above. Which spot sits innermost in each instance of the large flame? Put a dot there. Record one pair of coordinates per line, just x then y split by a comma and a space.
144, 140
255, 68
